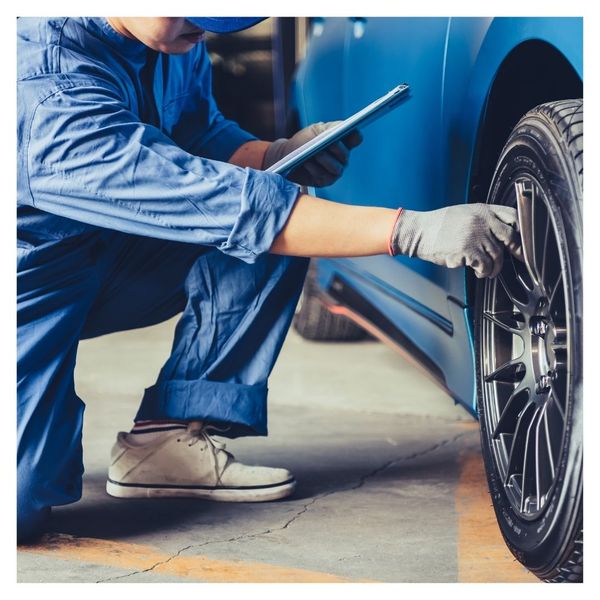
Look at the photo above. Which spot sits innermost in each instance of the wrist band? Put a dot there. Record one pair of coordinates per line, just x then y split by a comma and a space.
390, 249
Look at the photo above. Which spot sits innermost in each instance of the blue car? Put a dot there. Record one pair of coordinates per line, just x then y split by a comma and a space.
495, 115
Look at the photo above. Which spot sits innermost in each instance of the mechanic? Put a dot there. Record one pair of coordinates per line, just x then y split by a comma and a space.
138, 200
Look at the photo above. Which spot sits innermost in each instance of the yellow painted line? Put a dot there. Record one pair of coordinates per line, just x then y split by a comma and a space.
138, 557
482, 553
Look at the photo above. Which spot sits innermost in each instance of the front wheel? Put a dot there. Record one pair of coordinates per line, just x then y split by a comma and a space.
528, 334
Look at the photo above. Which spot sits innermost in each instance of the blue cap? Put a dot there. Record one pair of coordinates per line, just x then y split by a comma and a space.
225, 24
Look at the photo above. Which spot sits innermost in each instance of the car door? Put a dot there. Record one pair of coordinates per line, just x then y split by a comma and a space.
399, 162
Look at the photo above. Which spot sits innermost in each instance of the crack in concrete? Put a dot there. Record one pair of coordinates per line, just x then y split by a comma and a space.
229, 540
412, 456
163, 562
305, 508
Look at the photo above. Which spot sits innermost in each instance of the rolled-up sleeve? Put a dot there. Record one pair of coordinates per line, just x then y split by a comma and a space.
92, 160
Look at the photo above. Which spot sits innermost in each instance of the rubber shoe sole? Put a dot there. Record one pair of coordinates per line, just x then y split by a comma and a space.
263, 493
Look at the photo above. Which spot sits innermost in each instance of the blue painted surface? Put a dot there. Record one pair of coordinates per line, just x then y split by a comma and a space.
410, 157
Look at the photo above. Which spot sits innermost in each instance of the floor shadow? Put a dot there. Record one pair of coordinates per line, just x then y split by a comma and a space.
98, 515
110, 518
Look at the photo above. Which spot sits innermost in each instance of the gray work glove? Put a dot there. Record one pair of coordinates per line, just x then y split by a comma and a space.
322, 169
473, 235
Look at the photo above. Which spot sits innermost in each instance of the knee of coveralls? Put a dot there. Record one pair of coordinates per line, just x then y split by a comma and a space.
31, 518
49, 463
49, 453
226, 342
56, 283
142, 283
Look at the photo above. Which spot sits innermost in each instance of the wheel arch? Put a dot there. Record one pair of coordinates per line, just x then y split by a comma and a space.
555, 79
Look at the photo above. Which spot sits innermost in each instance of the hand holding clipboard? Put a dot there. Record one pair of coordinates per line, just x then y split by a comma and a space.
363, 117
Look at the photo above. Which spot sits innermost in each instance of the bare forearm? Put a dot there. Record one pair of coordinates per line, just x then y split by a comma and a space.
319, 227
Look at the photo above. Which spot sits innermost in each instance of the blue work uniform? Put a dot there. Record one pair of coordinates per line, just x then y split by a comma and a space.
127, 215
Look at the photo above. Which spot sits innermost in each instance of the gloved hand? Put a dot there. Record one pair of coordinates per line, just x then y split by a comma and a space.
322, 169
466, 234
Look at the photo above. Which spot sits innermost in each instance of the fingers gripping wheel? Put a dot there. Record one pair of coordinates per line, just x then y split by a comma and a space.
528, 337
479, 235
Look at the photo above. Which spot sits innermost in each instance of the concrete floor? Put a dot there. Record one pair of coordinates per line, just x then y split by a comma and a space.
391, 486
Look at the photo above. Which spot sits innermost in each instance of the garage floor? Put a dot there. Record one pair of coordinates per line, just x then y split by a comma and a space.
391, 486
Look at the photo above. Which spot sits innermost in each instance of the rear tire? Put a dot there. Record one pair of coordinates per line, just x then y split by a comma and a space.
313, 321
528, 338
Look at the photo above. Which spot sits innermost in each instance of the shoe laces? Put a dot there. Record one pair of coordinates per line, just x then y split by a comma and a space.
198, 431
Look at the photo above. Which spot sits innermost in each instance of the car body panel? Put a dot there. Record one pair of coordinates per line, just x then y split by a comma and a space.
421, 155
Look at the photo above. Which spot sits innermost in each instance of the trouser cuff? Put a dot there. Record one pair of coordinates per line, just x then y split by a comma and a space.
242, 407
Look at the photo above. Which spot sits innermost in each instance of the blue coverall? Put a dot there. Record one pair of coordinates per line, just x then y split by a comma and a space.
127, 215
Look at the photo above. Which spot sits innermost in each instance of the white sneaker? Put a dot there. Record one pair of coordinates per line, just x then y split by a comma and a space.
188, 462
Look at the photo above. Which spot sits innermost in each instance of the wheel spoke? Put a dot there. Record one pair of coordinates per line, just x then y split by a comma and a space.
506, 372
553, 397
555, 423
517, 448
554, 288
526, 226
541, 231
510, 413
545, 253
506, 320
512, 296
507, 290
549, 443
544, 465
529, 480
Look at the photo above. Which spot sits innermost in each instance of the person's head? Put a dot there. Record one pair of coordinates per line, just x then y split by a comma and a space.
171, 35
177, 35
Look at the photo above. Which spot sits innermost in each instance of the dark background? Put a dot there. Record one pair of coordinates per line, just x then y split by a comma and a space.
252, 72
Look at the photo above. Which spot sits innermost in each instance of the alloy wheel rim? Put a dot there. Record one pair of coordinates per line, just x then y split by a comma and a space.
526, 355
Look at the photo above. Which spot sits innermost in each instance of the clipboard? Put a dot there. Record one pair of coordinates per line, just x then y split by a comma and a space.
363, 117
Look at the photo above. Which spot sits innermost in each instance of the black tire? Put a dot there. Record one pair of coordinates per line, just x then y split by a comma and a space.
532, 433
314, 322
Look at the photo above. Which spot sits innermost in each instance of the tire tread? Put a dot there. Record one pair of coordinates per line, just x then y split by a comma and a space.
572, 569
572, 110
